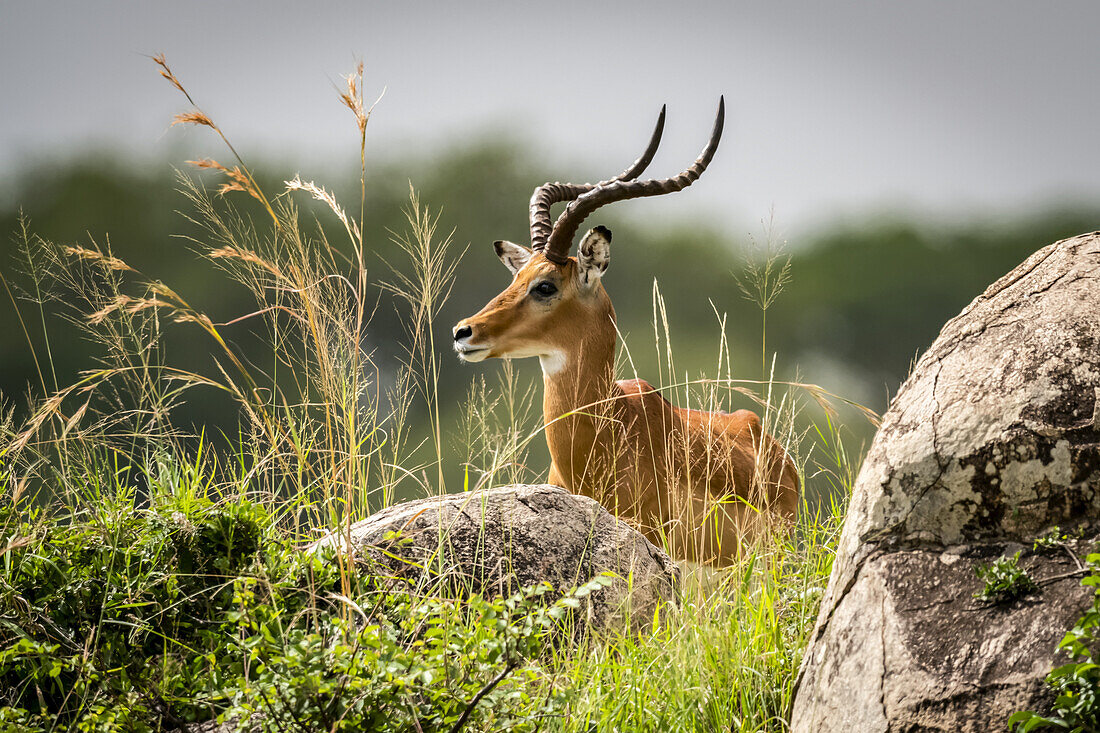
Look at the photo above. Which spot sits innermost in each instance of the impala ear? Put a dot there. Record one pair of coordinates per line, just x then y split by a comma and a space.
513, 256
593, 256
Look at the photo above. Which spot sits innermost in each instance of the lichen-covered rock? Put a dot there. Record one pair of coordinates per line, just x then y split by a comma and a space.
993, 439
496, 541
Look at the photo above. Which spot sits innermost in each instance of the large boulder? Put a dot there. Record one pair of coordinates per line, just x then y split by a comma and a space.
496, 541
993, 440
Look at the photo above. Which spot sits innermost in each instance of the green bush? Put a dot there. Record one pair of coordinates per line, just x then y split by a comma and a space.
1005, 581
406, 663
102, 611
1077, 707
162, 617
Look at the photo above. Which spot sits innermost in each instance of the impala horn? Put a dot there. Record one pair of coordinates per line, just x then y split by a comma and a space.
549, 194
587, 199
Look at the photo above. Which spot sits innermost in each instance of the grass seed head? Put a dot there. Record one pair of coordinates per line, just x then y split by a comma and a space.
123, 303
238, 179
322, 194
160, 61
194, 117
93, 255
353, 97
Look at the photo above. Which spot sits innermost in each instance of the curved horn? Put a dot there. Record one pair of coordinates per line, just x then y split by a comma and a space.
549, 194
565, 228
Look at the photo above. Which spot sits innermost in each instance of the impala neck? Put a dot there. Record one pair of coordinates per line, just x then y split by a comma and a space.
579, 380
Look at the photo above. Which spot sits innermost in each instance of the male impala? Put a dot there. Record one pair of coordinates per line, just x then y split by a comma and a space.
701, 480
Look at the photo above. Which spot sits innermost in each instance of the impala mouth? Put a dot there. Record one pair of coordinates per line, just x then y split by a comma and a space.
471, 354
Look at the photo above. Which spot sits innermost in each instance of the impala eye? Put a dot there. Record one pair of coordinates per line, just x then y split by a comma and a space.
545, 289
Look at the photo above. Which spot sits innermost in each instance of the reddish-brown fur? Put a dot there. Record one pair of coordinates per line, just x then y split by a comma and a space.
703, 481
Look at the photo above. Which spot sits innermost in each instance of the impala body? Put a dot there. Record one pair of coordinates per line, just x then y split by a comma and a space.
702, 481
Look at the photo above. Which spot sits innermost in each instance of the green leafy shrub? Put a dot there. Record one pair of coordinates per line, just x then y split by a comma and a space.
1005, 581
160, 617
1077, 707
1052, 541
404, 663
85, 607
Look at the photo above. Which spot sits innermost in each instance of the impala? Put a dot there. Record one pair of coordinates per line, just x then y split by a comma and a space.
701, 481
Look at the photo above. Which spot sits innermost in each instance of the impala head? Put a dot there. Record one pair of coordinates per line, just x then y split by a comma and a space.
547, 308
555, 300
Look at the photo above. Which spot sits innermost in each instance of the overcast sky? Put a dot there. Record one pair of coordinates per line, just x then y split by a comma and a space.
834, 108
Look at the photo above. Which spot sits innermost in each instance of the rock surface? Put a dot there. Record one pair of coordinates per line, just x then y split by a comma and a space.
499, 540
993, 439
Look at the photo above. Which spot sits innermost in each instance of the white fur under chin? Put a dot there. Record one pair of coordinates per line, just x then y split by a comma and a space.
552, 363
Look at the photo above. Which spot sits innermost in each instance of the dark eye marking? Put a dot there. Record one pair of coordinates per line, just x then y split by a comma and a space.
544, 289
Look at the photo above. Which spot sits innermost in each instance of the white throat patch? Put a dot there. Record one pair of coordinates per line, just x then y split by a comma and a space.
552, 363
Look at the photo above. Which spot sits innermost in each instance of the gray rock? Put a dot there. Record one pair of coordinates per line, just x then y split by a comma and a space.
496, 541
993, 439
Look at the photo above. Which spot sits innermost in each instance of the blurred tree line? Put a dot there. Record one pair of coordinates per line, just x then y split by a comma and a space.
863, 301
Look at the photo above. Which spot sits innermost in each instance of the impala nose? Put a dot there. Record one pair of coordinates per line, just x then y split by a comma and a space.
462, 332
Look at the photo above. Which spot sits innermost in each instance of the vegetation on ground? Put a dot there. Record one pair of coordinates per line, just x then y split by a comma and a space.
155, 573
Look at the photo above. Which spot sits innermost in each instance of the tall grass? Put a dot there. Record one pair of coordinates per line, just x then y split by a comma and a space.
725, 659
122, 530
